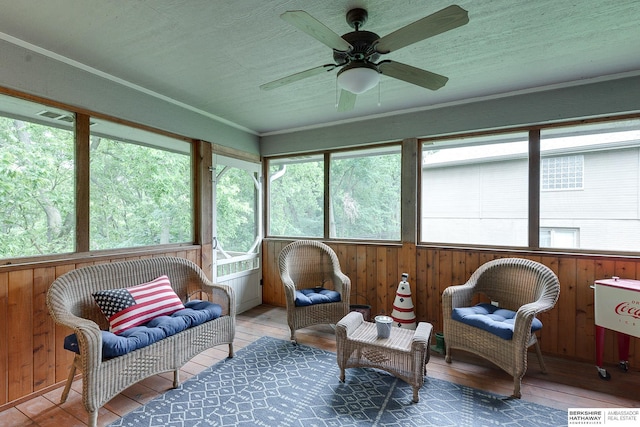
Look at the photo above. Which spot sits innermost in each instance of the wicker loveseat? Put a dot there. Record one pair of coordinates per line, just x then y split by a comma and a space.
72, 304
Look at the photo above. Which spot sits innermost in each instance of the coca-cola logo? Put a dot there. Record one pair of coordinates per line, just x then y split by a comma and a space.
627, 308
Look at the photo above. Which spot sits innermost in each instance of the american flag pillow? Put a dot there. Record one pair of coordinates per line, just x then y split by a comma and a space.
129, 307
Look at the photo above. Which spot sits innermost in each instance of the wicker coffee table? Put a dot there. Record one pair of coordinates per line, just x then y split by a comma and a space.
404, 354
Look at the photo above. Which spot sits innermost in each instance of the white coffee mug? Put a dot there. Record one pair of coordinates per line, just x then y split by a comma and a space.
383, 323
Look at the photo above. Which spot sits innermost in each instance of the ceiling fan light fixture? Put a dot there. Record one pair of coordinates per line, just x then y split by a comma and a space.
358, 77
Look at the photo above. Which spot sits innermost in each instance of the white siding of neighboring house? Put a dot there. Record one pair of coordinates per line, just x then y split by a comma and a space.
486, 203
470, 202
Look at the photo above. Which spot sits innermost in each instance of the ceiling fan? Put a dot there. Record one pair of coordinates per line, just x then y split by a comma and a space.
356, 53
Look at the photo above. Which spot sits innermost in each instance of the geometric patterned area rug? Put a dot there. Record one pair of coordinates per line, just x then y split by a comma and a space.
272, 382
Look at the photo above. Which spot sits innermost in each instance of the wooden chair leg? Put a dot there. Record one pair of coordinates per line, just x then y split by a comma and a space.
176, 378
67, 386
93, 419
516, 388
543, 367
231, 354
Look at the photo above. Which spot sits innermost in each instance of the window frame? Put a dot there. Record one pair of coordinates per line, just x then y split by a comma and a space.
48, 117
534, 186
327, 156
138, 139
84, 119
482, 139
267, 162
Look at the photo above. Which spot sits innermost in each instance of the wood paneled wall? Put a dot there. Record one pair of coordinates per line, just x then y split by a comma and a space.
375, 272
32, 357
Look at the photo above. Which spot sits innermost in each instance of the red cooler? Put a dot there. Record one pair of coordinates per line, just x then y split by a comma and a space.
617, 307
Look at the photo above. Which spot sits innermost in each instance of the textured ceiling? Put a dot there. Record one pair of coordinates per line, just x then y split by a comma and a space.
214, 55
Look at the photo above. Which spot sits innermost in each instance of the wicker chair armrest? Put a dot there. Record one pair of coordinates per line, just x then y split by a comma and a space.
289, 287
87, 332
526, 313
457, 296
522, 325
342, 283
223, 295
89, 338
539, 306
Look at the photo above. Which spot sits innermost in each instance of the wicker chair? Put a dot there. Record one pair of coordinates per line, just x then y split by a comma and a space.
524, 286
308, 264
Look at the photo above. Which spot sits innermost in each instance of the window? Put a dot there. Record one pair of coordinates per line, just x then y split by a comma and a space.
37, 173
603, 160
363, 199
562, 173
559, 238
365, 194
296, 196
140, 190
475, 190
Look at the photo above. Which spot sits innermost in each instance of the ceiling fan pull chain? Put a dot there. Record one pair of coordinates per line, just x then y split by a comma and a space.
337, 101
379, 102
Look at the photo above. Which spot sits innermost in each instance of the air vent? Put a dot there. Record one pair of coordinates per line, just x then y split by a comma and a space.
56, 116
50, 114
61, 117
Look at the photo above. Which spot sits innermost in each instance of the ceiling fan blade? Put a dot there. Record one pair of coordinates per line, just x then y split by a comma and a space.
316, 29
297, 76
414, 75
444, 20
347, 101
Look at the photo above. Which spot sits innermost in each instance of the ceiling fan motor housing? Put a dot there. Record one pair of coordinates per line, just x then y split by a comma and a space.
362, 42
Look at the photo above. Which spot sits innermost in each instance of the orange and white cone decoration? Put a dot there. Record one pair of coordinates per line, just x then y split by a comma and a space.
403, 314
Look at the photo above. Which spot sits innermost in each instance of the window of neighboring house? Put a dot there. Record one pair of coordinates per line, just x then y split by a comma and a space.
603, 161
562, 172
365, 194
37, 173
296, 196
140, 190
559, 237
475, 190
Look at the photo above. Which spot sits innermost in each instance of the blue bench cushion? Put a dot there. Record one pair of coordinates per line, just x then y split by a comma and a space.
195, 313
312, 296
498, 321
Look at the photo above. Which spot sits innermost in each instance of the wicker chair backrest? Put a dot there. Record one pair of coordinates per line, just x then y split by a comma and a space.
513, 282
309, 264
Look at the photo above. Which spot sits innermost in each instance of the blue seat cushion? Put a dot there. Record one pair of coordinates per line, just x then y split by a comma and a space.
195, 313
312, 296
498, 321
